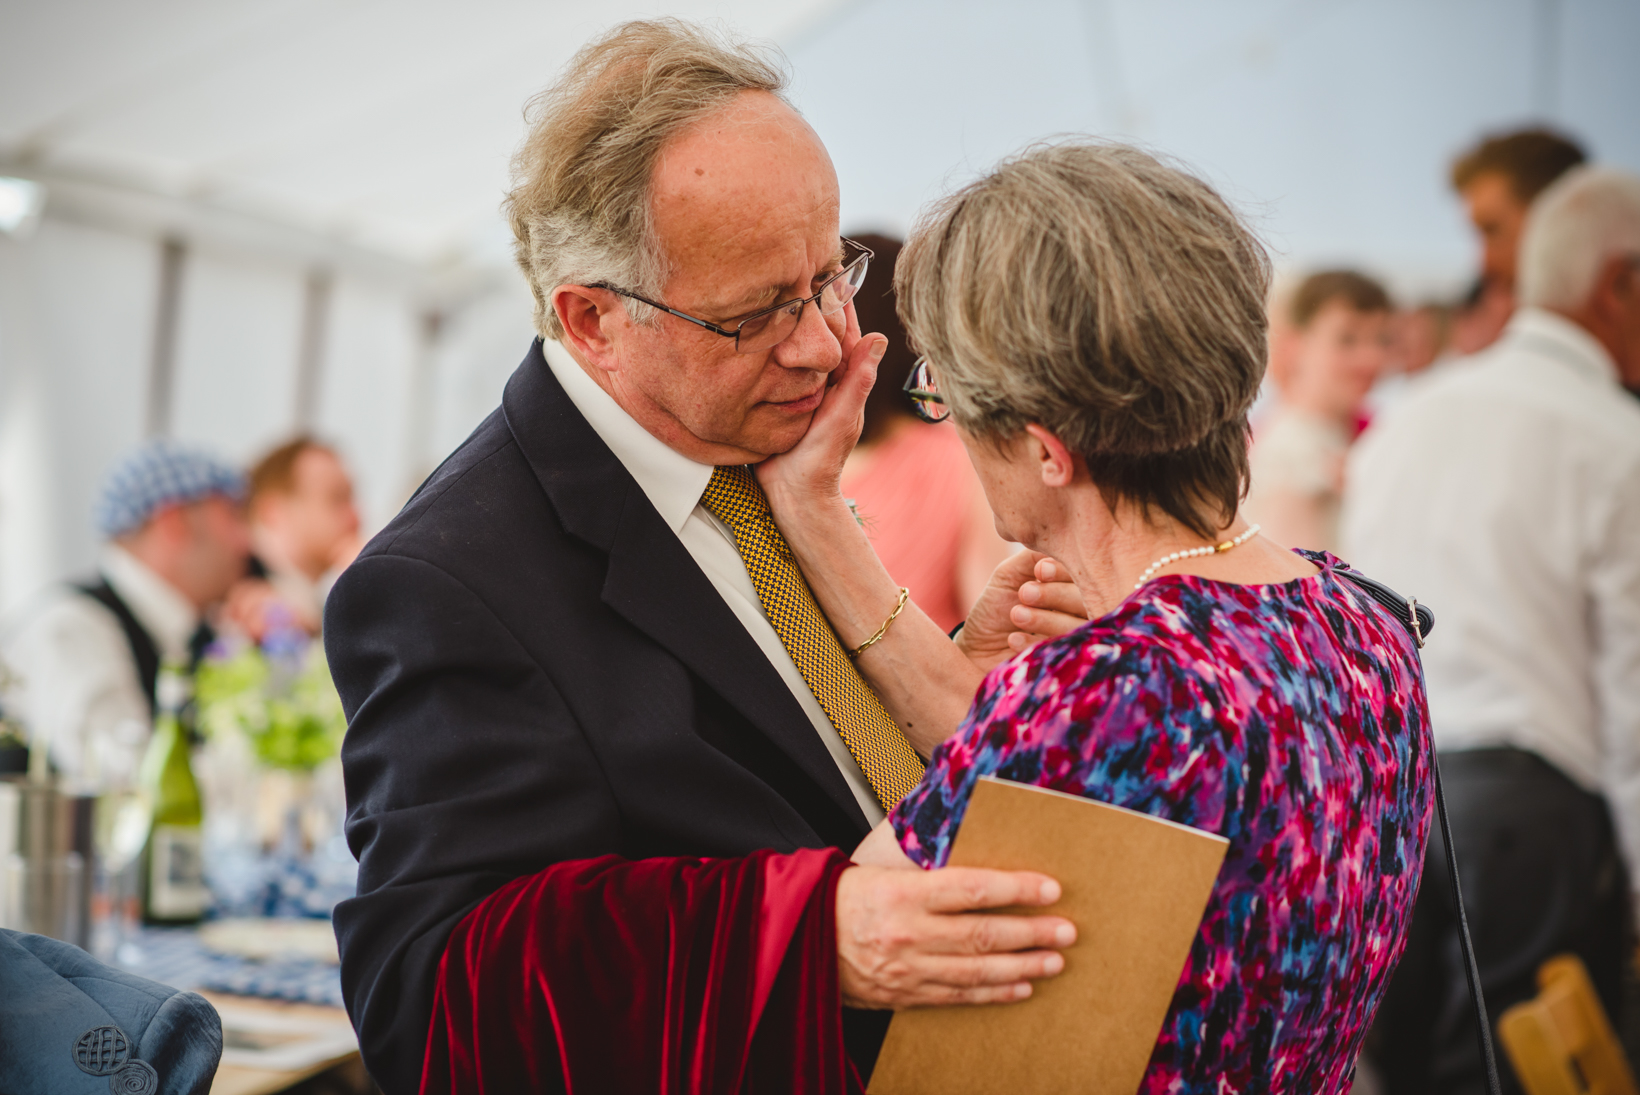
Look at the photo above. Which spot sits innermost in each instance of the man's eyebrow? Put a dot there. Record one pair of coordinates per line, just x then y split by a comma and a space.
747, 303
769, 295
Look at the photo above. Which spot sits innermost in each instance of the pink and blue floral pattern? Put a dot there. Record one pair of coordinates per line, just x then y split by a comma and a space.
1289, 718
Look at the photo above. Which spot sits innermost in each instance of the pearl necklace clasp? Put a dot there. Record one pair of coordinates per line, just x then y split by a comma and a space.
1191, 553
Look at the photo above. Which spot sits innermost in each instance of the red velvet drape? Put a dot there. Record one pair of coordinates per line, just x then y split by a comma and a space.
674, 976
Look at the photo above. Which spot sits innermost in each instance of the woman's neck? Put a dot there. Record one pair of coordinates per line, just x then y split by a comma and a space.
1106, 556
1107, 553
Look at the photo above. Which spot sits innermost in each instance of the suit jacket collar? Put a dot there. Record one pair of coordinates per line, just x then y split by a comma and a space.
671, 481
652, 580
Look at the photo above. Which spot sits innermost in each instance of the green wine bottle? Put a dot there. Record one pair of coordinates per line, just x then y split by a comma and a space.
173, 863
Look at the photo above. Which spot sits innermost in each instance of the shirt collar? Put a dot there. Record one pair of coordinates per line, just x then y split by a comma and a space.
673, 482
168, 617
1567, 343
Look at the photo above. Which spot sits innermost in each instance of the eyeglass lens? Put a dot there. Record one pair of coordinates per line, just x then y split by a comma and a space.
920, 388
766, 329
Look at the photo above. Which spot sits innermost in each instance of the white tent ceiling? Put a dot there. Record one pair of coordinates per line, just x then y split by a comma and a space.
386, 124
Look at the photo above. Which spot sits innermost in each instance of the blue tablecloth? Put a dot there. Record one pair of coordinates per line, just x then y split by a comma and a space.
176, 957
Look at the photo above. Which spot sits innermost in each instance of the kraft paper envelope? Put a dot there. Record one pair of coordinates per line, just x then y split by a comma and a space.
1134, 885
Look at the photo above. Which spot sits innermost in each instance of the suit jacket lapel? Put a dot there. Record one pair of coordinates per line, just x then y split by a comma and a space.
653, 581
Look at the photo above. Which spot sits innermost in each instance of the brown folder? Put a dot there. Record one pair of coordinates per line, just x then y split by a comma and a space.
1134, 885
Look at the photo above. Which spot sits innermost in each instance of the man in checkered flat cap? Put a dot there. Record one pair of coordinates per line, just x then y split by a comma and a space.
86, 657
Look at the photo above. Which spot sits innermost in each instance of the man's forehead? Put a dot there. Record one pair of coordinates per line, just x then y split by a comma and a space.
1492, 189
750, 192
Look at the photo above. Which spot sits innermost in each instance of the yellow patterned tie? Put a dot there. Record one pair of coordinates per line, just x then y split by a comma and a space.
891, 765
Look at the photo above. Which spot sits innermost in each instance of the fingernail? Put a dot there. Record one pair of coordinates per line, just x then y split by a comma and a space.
1053, 964
1064, 935
1045, 570
1030, 593
1050, 892
1020, 615
882, 348
1022, 990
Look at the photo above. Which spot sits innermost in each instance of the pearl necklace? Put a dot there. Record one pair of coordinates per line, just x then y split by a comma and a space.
1191, 553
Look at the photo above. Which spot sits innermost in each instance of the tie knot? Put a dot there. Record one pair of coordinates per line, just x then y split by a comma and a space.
734, 497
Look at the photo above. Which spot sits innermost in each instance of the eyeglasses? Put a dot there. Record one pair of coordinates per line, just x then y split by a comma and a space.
926, 401
773, 325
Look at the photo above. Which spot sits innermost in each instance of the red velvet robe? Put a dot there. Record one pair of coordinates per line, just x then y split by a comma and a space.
710, 976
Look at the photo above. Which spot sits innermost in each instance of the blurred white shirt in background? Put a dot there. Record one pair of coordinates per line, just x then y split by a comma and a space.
1296, 478
1504, 492
76, 680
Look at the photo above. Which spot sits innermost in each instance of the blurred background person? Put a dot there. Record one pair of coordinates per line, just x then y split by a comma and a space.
1498, 180
911, 482
1421, 337
1506, 492
1336, 342
304, 528
87, 657
1480, 316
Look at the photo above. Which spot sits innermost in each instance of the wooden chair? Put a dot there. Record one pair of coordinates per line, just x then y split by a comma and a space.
1561, 1042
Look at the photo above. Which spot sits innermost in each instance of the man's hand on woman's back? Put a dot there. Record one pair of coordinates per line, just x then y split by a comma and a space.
910, 937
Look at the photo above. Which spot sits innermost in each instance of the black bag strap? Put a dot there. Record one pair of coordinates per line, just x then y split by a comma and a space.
1419, 620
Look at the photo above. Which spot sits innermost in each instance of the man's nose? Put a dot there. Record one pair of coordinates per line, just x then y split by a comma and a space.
813, 345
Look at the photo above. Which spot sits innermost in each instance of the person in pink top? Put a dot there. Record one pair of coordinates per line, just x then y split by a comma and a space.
911, 483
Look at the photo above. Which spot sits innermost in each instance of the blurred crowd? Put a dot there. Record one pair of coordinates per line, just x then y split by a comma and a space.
1483, 455
195, 552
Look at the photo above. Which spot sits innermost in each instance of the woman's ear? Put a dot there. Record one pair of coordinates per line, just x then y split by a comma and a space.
1056, 462
587, 316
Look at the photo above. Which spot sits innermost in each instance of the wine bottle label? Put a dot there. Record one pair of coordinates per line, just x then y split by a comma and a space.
176, 884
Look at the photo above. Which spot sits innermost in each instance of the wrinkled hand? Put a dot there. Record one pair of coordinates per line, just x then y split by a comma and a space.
814, 466
908, 938
1029, 598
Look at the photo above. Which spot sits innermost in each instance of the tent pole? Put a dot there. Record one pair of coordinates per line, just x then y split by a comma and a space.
173, 256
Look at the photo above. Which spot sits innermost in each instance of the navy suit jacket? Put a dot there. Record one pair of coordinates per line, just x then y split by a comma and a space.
534, 670
70, 1025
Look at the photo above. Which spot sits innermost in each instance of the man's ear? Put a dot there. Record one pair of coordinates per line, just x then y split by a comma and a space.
1056, 462
1614, 285
588, 317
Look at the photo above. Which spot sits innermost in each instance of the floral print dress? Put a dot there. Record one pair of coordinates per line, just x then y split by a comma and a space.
1289, 718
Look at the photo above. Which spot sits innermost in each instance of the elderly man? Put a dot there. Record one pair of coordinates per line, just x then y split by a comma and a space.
581, 658
87, 657
1506, 493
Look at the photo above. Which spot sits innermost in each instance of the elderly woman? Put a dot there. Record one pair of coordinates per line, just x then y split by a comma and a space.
1093, 322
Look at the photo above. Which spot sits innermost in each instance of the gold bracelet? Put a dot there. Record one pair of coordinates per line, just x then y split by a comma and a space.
905, 595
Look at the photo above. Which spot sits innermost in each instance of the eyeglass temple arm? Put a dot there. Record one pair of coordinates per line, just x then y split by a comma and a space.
714, 328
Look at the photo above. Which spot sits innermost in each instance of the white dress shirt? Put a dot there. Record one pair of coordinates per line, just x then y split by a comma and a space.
674, 485
1505, 493
76, 683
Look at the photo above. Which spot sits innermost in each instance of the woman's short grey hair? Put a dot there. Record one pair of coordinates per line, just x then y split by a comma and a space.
1589, 215
580, 201
1114, 300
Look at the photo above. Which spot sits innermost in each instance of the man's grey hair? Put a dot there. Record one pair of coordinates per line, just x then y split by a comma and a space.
580, 205
1116, 301
1588, 216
